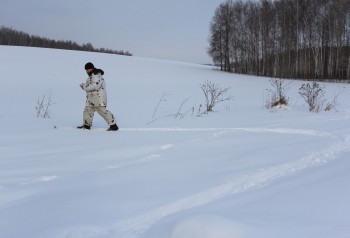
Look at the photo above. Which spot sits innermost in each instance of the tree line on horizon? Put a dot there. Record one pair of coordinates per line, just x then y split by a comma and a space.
8, 36
305, 39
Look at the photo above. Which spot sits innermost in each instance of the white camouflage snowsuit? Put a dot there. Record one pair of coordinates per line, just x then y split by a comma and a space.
96, 98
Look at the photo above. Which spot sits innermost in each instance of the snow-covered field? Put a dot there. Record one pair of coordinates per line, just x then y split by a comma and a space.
239, 172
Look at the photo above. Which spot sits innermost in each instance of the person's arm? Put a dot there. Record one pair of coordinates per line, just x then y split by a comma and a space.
94, 85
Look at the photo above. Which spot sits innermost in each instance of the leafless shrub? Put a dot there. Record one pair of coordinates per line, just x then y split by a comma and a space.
162, 98
198, 112
179, 114
213, 95
277, 96
43, 106
313, 95
334, 102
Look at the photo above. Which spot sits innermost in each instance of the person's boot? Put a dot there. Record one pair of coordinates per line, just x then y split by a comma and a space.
84, 127
113, 127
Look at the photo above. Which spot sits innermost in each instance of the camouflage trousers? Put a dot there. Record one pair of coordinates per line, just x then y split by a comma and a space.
89, 115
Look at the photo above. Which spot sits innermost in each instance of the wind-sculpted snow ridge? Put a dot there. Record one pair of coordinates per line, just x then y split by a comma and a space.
136, 226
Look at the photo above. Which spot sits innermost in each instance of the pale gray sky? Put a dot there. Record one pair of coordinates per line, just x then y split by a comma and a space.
175, 30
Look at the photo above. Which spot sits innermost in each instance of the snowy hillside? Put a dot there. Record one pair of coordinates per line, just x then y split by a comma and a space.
239, 172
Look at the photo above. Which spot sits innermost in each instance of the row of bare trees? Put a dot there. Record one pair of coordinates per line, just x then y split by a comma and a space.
9, 36
308, 39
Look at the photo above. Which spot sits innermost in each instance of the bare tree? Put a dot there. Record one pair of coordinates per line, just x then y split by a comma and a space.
9, 36
283, 38
220, 38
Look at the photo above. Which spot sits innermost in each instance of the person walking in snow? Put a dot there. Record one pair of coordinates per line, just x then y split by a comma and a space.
96, 98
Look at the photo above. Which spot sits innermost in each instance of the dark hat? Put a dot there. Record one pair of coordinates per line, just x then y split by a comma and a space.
89, 65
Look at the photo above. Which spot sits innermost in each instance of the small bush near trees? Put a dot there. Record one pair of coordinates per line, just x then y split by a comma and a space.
214, 94
314, 96
277, 96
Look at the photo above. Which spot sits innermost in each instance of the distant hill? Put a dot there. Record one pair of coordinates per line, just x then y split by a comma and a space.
9, 36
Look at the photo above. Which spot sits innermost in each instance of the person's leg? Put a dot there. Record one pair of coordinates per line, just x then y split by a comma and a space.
109, 118
88, 115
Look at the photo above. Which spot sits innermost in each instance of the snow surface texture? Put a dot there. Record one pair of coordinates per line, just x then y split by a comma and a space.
239, 172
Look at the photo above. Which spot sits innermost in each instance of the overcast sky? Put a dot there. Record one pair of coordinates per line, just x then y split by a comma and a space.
166, 29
